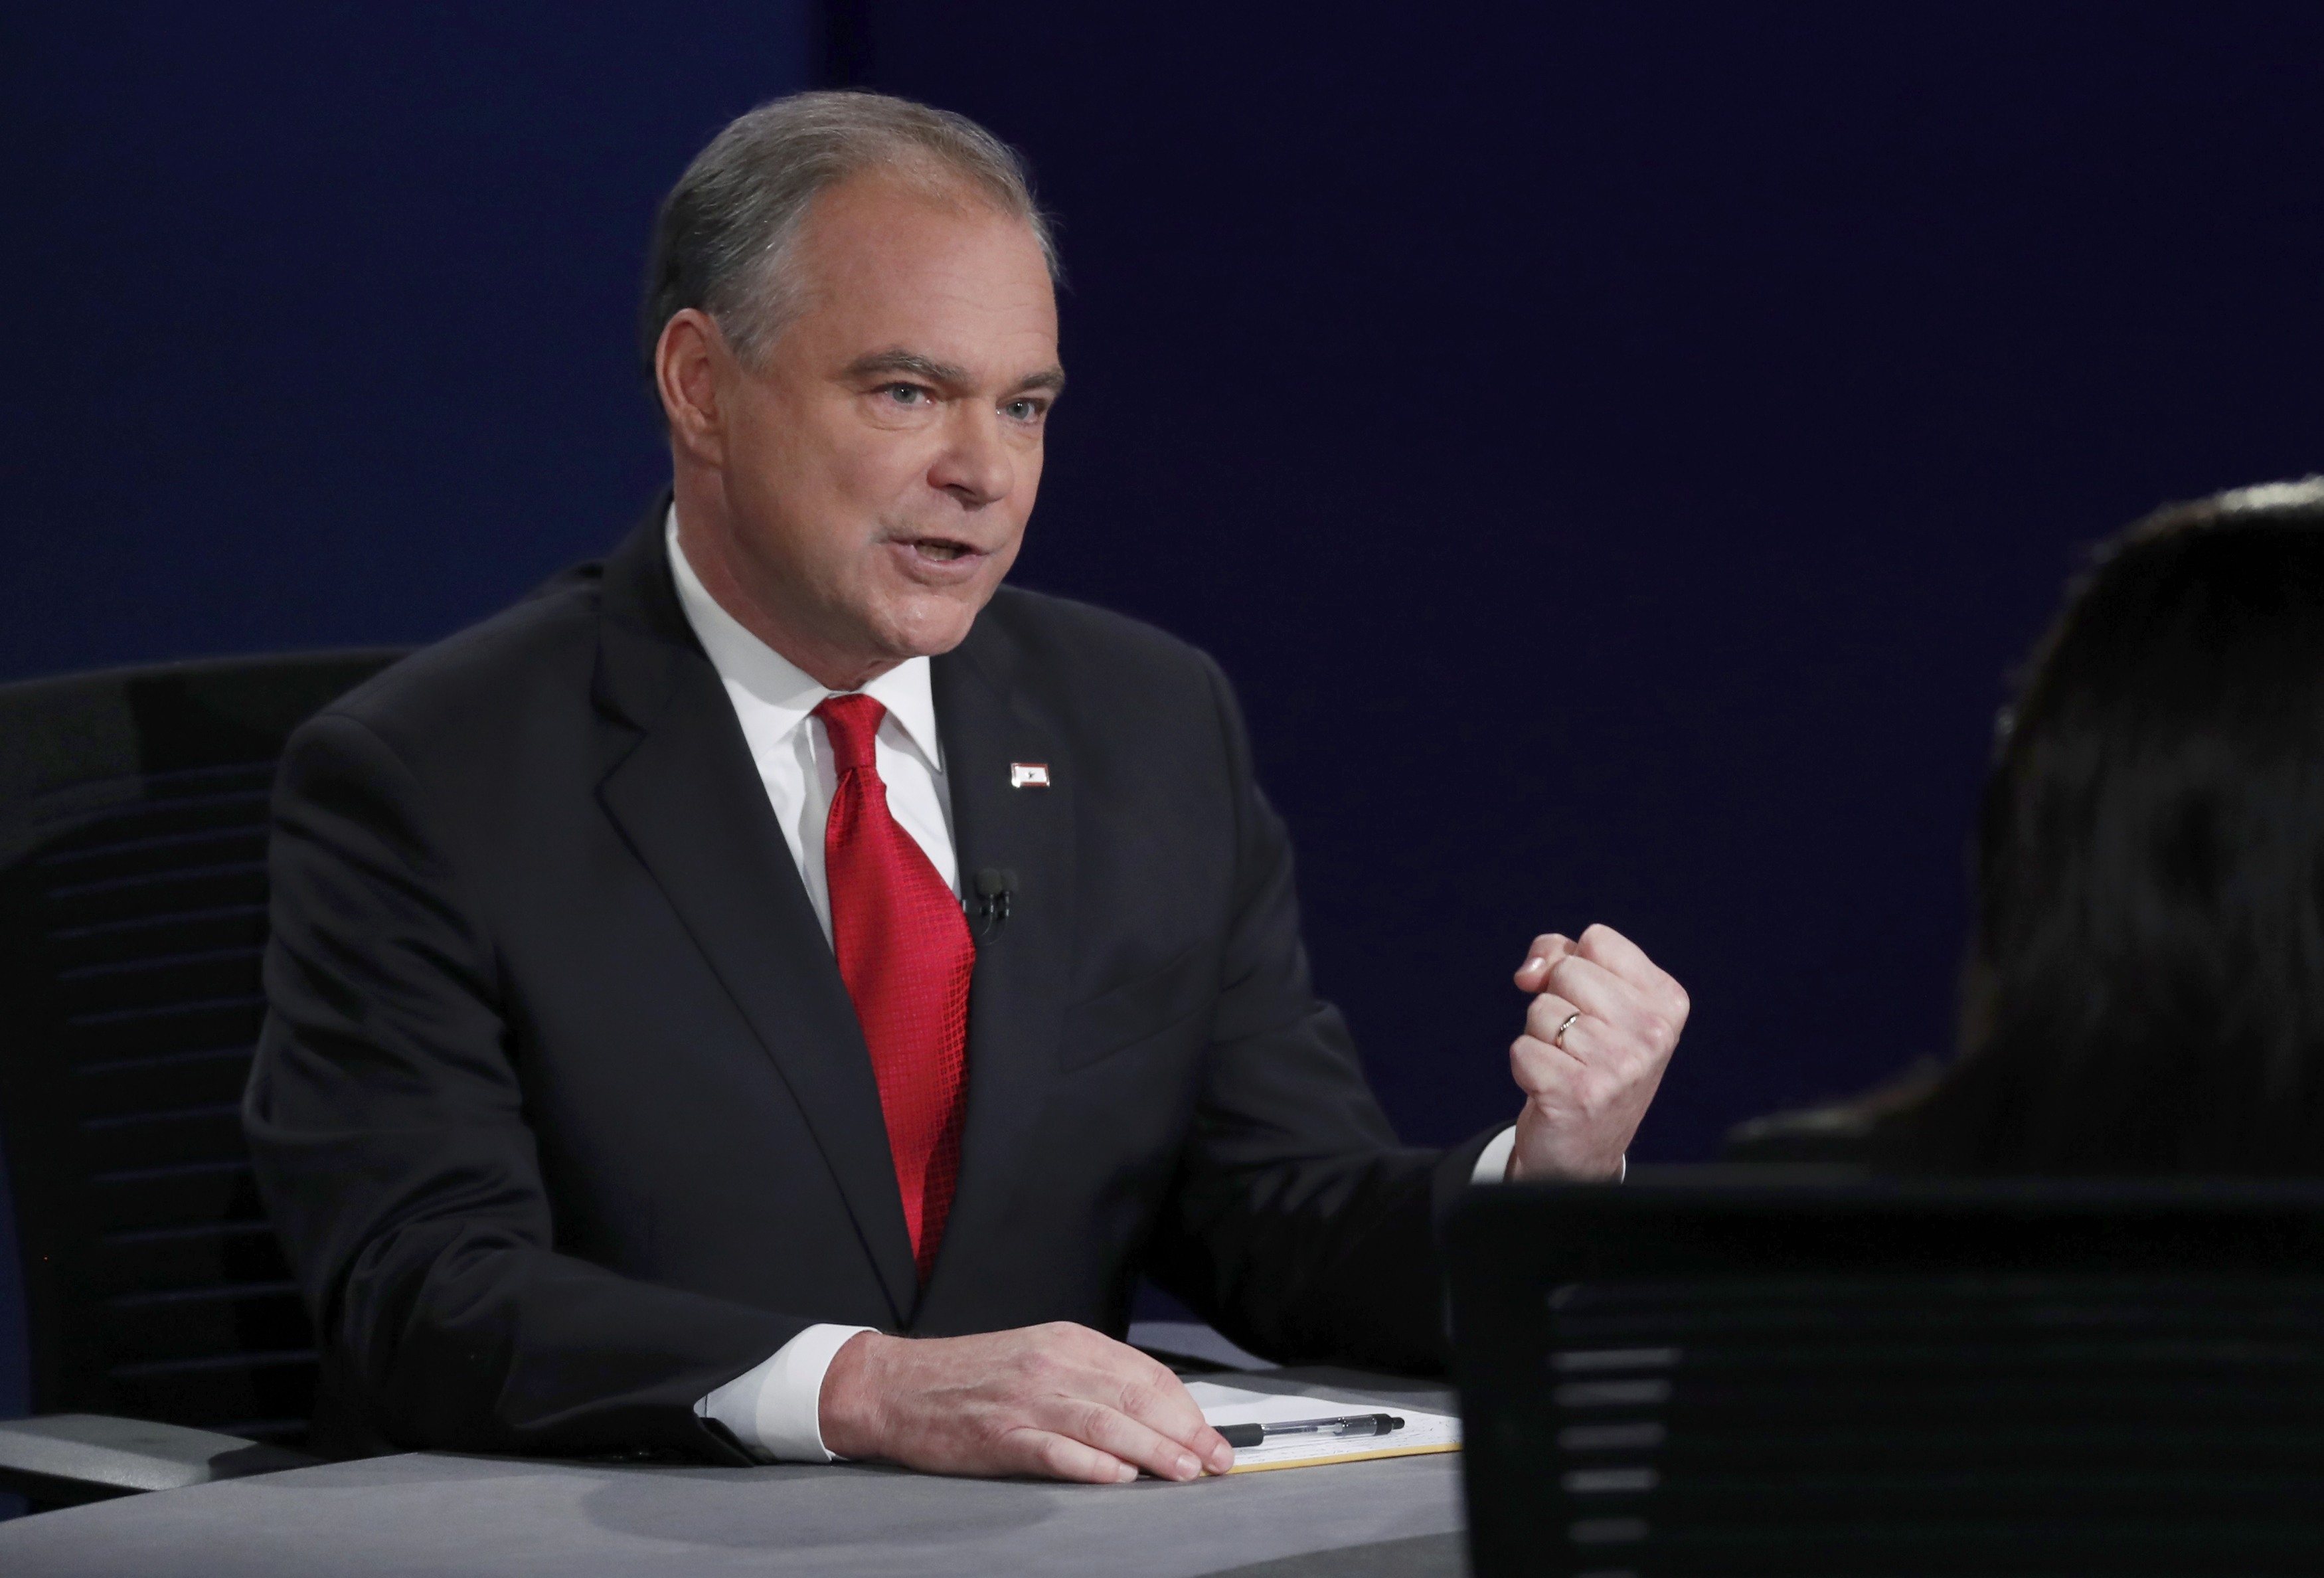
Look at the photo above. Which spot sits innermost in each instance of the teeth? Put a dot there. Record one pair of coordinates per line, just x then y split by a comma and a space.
941, 549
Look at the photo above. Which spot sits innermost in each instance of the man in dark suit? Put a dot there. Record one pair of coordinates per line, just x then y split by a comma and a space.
773, 994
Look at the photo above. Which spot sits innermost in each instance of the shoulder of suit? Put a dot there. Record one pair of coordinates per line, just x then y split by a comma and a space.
538, 657
512, 663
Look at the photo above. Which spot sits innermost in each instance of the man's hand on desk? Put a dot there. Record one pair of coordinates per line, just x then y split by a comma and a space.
1586, 1089
1060, 1402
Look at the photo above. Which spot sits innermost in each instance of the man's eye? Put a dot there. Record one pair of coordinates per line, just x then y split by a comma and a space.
907, 395
1023, 411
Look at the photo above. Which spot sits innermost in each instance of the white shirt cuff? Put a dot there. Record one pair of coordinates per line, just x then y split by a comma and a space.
776, 1410
1493, 1163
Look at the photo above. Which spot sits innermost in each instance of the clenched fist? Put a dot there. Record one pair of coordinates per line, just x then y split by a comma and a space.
1599, 1032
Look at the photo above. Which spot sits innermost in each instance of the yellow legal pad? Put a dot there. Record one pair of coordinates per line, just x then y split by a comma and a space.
1423, 1433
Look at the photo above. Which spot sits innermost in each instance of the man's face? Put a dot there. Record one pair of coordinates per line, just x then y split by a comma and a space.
877, 466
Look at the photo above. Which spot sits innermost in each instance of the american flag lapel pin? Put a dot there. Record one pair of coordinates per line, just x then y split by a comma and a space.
1028, 775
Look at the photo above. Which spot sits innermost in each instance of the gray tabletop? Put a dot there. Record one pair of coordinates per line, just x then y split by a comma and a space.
442, 1513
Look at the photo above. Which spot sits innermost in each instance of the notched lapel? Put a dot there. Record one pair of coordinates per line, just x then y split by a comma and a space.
1017, 996
688, 798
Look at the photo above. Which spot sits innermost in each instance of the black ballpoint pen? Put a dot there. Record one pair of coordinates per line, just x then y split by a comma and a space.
1344, 1425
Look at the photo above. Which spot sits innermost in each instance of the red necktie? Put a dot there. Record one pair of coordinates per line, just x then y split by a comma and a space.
906, 955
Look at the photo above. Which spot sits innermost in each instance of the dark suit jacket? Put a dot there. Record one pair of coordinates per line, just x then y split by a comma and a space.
563, 1110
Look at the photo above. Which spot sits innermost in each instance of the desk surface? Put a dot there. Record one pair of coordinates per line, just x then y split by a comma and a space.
440, 1513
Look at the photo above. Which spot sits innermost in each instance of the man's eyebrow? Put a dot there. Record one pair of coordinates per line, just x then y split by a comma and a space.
911, 362
1051, 378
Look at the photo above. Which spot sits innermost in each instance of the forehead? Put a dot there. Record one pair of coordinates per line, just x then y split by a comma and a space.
884, 263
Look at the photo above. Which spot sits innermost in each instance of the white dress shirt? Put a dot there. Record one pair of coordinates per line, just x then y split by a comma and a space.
774, 699
774, 1410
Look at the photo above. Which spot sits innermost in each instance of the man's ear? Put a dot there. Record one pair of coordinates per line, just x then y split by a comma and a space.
688, 361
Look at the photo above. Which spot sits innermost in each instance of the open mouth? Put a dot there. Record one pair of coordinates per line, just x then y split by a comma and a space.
942, 549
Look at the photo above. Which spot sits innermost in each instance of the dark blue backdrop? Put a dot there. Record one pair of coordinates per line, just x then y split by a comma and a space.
1618, 450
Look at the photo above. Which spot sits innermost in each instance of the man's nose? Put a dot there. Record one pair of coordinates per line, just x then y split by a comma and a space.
975, 466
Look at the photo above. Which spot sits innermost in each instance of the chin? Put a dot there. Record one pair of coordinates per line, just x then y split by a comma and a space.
930, 632
932, 626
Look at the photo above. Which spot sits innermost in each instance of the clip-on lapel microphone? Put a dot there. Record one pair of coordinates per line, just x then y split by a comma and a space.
996, 892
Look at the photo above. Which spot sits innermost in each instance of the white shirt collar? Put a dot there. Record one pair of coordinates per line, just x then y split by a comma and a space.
787, 692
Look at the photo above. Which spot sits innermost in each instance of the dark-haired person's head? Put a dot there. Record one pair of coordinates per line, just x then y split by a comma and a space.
2144, 991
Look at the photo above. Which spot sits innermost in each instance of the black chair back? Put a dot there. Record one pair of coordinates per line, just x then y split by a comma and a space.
133, 915
1870, 1379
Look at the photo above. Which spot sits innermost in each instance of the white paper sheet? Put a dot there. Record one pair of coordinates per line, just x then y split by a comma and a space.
1228, 1405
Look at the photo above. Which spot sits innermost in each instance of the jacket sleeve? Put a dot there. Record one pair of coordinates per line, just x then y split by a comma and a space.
1299, 1226
386, 1122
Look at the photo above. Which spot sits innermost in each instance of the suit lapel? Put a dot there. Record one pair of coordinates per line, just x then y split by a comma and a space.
688, 798
1017, 996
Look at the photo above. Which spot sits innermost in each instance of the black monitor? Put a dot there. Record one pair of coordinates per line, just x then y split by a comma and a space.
1731, 1377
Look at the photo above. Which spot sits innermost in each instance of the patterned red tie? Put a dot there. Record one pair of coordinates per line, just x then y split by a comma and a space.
906, 955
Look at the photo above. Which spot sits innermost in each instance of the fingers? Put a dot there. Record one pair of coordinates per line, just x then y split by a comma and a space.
1545, 1017
1610, 979
1566, 1077
1605, 946
1547, 949
1624, 959
1158, 1399
1061, 1457
1612, 951
1085, 1388
1587, 1082
1593, 989
1121, 1438
1545, 1073
1134, 1407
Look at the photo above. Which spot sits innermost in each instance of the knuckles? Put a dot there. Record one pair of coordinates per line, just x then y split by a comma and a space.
1138, 1398
1598, 943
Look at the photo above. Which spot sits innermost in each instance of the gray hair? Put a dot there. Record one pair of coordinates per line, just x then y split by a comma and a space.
725, 237
2306, 493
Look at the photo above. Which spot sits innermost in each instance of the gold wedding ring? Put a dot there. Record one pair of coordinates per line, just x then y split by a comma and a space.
1558, 1041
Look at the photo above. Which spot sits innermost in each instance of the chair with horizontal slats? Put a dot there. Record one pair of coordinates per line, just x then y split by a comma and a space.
133, 916
1735, 1377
